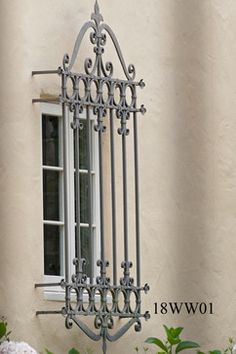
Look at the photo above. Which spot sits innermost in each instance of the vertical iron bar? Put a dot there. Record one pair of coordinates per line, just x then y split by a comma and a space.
100, 132
65, 169
90, 215
137, 208
113, 197
125, 206
77, 186
101, 190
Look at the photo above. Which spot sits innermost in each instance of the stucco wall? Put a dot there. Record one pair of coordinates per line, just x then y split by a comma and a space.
185, 50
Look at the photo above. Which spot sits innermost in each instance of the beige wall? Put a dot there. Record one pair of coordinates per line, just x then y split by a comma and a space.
185, 50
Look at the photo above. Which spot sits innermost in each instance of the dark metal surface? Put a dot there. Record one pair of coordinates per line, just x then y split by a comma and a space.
90, 197
114, 298
136, 182
113, 198
76, 128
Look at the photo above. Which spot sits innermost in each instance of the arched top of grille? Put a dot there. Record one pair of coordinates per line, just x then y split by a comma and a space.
98, 37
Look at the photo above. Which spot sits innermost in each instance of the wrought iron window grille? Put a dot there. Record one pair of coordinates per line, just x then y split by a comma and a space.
101, 75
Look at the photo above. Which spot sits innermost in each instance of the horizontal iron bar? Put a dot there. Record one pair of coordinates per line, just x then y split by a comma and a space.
48, 313
114, 314
96, 104
41, 285
46, 100
140, 83
133, 315
42, 72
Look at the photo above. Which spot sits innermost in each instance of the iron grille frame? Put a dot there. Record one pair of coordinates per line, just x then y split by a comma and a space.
101, 75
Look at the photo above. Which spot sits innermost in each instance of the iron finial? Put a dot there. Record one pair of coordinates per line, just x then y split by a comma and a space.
96, 7
96, 16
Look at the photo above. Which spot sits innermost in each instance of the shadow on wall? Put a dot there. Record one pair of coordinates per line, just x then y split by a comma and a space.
191, 143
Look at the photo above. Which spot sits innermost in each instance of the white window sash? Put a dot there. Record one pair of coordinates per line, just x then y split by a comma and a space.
57, 293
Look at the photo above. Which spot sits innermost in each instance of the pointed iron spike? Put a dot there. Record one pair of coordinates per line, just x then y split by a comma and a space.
96, 7
96, 16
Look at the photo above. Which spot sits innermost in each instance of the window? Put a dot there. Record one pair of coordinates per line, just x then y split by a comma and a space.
53, 196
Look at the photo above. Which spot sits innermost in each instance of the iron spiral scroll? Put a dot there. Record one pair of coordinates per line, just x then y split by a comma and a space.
96, 89
108, 308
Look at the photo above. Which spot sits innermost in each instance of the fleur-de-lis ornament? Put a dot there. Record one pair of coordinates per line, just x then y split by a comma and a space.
96, 16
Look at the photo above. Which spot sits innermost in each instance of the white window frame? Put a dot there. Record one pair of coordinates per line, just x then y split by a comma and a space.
57, 293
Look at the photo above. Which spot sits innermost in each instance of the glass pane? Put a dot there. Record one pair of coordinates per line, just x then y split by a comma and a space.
51, 195
52, 250
84, 201
86, 248
83, 163
50, 140
84, 208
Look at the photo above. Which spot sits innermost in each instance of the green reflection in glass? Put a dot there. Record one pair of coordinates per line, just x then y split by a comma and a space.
84, 206
86, 248
52, 252
51, 195
83, 158
50, 132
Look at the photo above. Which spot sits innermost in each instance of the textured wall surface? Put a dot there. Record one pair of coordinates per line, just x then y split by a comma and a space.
185, 50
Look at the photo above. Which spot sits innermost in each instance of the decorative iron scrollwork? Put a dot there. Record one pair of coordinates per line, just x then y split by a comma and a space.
106, 300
